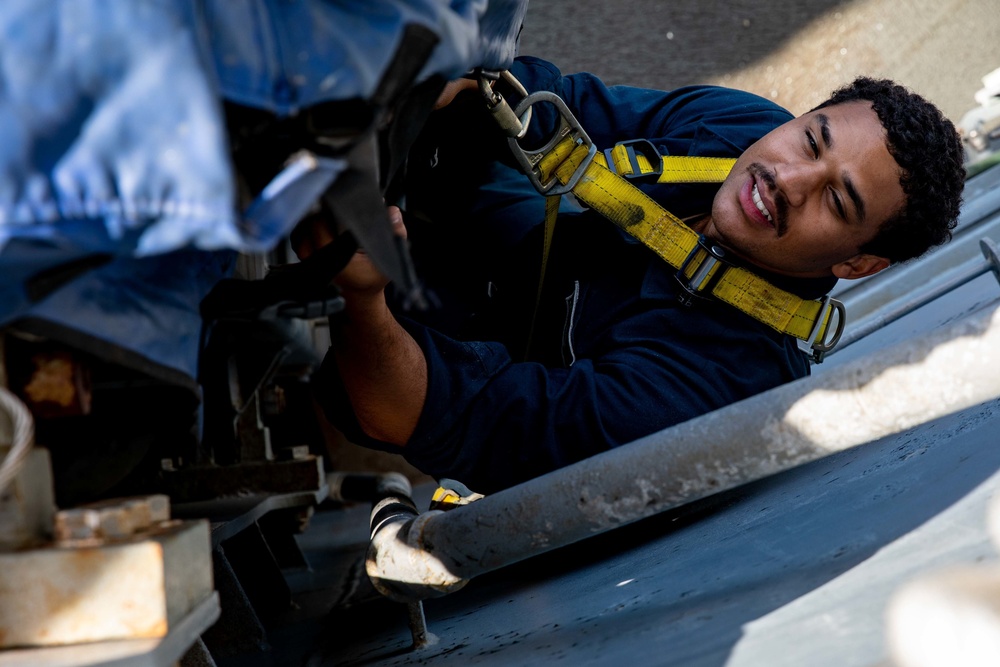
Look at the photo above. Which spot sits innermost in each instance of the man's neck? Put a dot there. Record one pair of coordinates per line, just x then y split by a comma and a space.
697, 222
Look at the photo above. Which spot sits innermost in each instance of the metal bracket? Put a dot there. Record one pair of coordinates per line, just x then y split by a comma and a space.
692, 286
632, 148
568, 127
817, 347
990, 252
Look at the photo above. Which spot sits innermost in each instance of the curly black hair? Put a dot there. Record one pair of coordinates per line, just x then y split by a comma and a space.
928, 150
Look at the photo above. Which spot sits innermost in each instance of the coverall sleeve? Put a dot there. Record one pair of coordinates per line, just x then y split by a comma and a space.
671, 120
491, 422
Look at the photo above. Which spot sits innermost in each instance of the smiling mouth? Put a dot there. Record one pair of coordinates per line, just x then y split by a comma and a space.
752, 202
774, 213
759, 203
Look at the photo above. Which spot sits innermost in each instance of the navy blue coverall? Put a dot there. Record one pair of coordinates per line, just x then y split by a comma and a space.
615, 355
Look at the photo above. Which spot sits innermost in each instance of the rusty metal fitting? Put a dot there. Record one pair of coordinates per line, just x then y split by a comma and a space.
114, 519
400, 565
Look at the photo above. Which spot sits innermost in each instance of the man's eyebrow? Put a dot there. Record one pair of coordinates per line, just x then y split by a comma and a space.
852, 192
824, 129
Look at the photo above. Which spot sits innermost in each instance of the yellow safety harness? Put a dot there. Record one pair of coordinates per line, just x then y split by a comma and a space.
570, 163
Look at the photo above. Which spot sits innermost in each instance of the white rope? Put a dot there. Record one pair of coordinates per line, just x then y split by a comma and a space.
23, 428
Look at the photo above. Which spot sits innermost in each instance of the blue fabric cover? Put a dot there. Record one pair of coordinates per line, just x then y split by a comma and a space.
113, 143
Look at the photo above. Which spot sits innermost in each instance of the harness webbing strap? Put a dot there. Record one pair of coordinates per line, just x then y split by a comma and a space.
662, 232
673, 168
551, 214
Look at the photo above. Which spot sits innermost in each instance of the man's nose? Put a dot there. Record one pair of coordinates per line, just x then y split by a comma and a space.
797, 180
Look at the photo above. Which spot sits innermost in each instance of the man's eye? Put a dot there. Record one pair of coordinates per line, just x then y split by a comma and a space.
812, 144
838, 205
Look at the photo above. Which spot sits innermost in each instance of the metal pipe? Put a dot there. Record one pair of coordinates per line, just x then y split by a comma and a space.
883, 393
965, 273
398, 563
393, 512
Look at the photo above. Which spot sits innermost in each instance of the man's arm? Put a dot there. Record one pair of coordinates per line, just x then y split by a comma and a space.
381, 367
669, 119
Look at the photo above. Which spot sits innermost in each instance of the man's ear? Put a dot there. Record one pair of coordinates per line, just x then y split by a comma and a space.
859, 266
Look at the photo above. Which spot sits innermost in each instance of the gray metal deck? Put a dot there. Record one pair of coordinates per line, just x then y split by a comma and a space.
792, 570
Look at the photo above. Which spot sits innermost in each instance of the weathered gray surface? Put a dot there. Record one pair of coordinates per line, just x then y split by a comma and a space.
790, 571
794, 52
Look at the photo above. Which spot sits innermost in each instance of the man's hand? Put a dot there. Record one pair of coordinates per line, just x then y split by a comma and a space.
312, 233
381, 366
360, 277
452, 89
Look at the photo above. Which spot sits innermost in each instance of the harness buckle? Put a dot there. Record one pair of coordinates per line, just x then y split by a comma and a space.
569, 126
816, 347
633, 147
703, 280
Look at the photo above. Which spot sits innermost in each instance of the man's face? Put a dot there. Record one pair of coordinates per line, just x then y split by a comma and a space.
803, 199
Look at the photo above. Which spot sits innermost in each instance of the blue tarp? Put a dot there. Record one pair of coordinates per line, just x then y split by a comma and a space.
113, 141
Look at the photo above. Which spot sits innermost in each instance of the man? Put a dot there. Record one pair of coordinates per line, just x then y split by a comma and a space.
872, 177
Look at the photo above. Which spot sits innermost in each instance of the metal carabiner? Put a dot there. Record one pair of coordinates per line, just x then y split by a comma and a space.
512, 124
568, 127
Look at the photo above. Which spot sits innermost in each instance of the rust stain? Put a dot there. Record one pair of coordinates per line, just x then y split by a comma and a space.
58, 386
158, 629
86, 560
58, 597
52, 380
137, 629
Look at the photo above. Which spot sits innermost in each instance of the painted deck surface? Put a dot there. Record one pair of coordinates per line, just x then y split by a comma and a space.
791, 570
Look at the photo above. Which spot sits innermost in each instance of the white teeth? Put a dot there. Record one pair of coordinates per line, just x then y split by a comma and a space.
760, 204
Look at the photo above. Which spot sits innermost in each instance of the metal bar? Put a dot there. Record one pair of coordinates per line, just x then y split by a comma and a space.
858, 402
230, 516
158, 652
418, 623
979, 217
367, 486
967, 272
